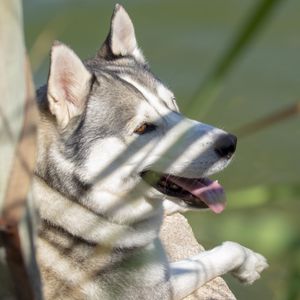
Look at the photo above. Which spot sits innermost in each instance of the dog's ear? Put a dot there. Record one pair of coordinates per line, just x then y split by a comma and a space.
68, 84
121, 40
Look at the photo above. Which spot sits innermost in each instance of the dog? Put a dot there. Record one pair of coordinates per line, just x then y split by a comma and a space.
115, 155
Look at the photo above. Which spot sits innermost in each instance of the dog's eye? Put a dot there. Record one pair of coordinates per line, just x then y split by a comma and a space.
144, 128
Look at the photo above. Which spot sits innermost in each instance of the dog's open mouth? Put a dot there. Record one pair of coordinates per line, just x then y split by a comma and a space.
195, 192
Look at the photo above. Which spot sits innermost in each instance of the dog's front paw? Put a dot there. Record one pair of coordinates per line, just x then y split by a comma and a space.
252, 264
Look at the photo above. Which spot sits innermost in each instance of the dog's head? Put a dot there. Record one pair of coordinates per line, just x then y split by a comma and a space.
111, 133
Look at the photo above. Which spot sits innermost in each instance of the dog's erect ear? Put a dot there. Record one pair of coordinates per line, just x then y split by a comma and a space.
68, 84
121, 40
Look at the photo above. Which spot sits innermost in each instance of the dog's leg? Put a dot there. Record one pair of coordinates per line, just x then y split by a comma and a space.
188, 275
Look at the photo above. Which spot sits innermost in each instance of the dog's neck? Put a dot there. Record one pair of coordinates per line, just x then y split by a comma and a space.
56, 209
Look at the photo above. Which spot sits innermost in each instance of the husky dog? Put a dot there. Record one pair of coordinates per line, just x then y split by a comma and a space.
114, 153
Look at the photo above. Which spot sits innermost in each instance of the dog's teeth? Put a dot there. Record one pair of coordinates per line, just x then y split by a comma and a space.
174, 186
163, 183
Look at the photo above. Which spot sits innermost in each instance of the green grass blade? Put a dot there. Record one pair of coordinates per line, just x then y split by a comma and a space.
208, 91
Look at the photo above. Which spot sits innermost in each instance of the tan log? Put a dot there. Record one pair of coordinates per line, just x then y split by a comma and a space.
180, 243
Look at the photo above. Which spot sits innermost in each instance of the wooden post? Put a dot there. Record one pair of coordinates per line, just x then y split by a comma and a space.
17, 152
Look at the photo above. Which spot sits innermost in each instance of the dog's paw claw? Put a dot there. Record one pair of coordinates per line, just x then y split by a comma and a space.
253, 264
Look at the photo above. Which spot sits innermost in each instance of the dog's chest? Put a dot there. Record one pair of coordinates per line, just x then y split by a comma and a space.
72, 269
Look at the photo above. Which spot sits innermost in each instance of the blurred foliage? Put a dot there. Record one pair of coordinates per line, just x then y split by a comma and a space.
259, 72
207, 91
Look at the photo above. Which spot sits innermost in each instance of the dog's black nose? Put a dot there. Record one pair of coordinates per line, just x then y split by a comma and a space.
225, 145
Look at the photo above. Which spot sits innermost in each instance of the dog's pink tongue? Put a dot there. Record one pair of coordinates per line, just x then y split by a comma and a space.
208, 191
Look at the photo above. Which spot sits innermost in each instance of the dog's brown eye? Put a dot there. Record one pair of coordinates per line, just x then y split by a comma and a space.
144, 128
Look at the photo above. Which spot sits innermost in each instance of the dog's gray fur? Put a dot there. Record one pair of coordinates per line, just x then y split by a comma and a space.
100, 222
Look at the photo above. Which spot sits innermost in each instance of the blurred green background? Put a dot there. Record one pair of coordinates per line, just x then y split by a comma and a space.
185, 41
